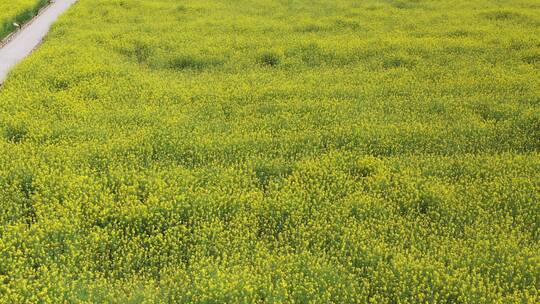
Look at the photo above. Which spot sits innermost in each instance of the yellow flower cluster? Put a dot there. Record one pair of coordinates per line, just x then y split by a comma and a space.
332, 151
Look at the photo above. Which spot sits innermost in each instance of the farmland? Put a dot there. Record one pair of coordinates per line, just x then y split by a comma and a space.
164, 151
18, 11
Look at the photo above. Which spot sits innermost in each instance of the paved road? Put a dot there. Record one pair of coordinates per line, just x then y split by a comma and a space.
26, 40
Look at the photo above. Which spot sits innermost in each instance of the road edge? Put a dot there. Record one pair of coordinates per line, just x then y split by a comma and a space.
12, 35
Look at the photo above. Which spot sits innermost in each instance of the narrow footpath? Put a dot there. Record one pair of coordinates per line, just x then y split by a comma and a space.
22, 43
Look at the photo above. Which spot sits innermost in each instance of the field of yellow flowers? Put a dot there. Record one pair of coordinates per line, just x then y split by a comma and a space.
273, 151
17, 11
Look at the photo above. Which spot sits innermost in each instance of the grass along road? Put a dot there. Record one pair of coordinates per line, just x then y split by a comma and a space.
29, 37
17, 11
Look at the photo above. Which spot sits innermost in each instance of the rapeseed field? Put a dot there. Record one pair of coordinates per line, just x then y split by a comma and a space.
17, 11
275, 151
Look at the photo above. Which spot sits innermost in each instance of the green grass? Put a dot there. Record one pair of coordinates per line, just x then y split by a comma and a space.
275, 152
17, 11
